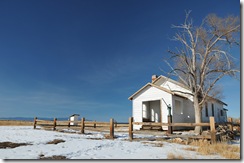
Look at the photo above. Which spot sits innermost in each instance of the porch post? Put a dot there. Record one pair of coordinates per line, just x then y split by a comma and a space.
161, 111
170, 130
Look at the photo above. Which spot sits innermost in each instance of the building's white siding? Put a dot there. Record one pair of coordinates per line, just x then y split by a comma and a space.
137, 111
217, 107
74, 120
151, 94
188, 105
220, 118
186, 111
150, 102
183, 111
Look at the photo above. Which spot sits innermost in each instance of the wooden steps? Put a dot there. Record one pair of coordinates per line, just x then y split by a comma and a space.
149, 127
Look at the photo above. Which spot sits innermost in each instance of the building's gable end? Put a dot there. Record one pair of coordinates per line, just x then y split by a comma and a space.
138, 93
162, 79
145, 87
173, 87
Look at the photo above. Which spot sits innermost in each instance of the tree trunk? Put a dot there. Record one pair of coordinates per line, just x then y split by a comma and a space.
198, 115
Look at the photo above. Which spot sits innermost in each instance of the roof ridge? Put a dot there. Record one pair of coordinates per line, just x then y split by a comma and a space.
174, 81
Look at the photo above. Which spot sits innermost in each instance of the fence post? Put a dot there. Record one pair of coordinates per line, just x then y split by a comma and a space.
34, 125
170, 128
111, 128
238, 121
131, 128
82, 125
95, 124
230, 124
212, 130
54, 123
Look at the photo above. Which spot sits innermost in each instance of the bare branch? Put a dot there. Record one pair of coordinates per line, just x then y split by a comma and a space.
173, 71
219, 38
202, 60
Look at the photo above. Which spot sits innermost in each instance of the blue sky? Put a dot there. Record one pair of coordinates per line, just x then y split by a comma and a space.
59, 57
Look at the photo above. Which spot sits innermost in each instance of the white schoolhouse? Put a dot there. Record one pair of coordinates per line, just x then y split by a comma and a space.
150, 104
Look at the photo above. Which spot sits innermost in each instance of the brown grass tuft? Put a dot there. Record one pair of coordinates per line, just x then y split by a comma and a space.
190, 149
107, 136
54, 157
56, 141
226, 150
155, 144
4, 145
230, 155
174, 157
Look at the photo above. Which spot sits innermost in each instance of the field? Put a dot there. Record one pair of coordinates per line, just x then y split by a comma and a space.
15, 123
20, 141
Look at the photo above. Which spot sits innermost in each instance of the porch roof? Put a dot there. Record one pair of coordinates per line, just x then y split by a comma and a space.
156, 86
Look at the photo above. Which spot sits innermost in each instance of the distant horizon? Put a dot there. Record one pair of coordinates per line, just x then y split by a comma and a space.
66, 118
51, 118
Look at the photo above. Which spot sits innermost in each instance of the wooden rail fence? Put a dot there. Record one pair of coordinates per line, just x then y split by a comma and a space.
211, 124
112, 124
82, 124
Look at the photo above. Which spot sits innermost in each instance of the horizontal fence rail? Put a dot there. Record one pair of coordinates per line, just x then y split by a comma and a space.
172, 124
211, 124
82, 124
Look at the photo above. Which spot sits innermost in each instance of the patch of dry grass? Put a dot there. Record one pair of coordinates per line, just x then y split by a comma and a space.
4, 145
174, 157
155, 144
199, 142
226, 150
56, 141
190, 149
15, 123
178, 141
54, 157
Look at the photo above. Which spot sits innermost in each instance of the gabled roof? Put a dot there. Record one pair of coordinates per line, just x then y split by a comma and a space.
169, 91
171, 80
212, 98
156, 86
74, 115
183, 86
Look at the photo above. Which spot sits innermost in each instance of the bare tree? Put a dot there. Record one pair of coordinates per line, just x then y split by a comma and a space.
203, 57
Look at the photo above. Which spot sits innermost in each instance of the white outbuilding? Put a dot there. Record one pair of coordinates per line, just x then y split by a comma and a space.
74, 119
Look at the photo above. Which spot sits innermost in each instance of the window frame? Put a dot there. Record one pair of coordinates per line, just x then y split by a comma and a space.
212, 109
206, 109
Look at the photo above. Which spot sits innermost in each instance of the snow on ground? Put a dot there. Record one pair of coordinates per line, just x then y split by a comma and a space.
91, 145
